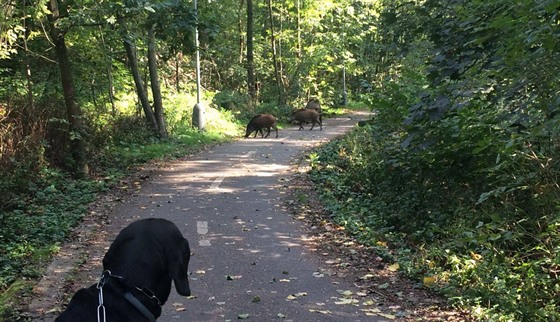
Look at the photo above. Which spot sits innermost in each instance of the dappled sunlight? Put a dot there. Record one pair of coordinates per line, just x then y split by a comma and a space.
245, 244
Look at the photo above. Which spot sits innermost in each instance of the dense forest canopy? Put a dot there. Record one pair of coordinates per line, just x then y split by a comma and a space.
465, 93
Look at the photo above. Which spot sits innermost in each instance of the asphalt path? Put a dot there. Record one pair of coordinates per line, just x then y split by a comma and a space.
250, 258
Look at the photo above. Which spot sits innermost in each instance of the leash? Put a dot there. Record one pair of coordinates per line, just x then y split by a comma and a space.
101, 314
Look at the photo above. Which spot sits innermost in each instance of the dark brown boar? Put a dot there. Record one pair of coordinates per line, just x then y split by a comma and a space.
261, 122
314, 104
306, 115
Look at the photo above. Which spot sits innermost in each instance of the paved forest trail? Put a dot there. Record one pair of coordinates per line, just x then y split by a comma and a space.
251, 259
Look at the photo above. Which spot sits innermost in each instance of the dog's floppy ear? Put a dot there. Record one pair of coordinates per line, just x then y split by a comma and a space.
178, 267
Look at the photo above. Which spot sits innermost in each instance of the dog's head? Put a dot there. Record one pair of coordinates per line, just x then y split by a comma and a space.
148, 248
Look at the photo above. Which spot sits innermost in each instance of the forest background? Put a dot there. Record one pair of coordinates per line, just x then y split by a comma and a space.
456, 177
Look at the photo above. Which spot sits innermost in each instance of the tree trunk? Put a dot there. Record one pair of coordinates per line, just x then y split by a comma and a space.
109, 60
154, 82
73, 113
178, 59
281, 98
142, 95
250, 57
240, 30
30, 101
298, 55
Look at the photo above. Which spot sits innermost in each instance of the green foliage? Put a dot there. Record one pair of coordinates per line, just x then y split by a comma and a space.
458, 171
231, 100
41, 204
42, 215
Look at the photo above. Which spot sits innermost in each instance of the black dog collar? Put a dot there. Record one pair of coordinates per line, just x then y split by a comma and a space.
139, 306
127, 295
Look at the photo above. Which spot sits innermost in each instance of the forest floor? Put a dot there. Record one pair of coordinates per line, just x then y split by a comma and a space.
406, 299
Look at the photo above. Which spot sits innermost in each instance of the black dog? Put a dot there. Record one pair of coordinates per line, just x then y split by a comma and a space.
138, 269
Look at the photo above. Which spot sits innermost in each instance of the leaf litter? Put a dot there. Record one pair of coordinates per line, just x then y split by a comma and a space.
380, 288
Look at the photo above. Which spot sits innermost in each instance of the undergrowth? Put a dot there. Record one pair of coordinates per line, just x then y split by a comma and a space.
495, 253
40, 204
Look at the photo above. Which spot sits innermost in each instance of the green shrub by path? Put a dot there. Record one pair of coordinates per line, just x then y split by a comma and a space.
492, 257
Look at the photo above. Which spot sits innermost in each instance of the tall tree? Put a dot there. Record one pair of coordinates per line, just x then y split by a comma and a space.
154, 83
277, 73
132, 58
251, 85
73, 112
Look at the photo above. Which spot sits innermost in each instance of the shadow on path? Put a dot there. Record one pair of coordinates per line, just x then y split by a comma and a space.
250, 257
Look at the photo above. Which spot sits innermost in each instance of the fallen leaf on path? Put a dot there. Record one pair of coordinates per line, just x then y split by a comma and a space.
368, 303
387, 316
179, 307
296, 296
346, 302
371, 312
320, 311
394, 267
243, 316
280, 315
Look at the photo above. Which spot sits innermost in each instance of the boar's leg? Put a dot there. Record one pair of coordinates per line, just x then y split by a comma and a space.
267, 133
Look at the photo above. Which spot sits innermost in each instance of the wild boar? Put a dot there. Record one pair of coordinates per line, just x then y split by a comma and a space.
306, 115
260, 122
314, 104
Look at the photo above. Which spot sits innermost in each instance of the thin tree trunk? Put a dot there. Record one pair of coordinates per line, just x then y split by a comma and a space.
250, 57
109, 61
77, 137
178, 58
274, 55
298, 31
154, 82
30, 101
140, 89
240, 30
279, 55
